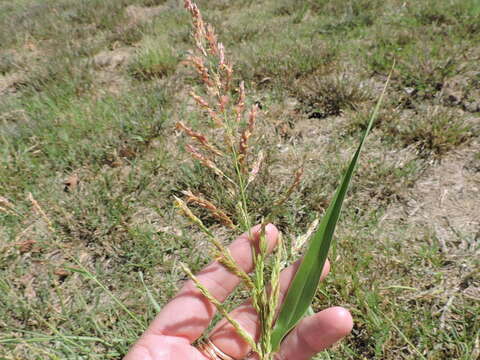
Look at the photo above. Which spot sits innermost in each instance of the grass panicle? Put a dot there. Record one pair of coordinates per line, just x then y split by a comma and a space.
207, 205
209, 62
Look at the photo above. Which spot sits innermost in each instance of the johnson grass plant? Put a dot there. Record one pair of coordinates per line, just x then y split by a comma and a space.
227, 152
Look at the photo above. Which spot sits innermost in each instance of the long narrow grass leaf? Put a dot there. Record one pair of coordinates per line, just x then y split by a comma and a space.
405, 338
88, 275
304, 285
154, 302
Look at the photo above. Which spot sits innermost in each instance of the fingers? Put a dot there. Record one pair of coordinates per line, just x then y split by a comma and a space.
316, 333
224, 335
190, 313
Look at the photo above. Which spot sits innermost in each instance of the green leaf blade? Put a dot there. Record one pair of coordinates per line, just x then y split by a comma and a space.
304, 285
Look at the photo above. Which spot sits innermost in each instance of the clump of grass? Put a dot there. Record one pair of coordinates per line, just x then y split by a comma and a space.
7, 63
154, 59
432, 130
330, 95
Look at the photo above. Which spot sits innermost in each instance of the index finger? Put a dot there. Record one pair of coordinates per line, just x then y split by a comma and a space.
189, 313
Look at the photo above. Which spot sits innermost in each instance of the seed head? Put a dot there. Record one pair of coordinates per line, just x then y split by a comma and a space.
241, 102
200, 101
204, 160
214, 211
221, 55
205, 105
201, 69
212, 40
222, 103
246, 134
183, 208
198, 25
256, 167
295, 183
202, 139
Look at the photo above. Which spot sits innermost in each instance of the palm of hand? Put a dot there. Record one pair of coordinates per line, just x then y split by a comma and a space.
160, 347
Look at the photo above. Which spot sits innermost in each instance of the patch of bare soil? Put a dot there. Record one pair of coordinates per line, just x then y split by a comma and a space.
447, 197
108, 69
442, 209
298, 133
23, 61
464, 91
113, 59
10, 81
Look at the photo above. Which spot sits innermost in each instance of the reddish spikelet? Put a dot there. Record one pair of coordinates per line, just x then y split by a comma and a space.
256, 167
252, 117
200, 101
212, 40
189, 5
221, 56
228, 76
204, 160
215, 91
205, 105
224, 68
207, 205
296, 182
198, 137
246, 134
216, 119
198, 24
222, 103
201, 69
241, 102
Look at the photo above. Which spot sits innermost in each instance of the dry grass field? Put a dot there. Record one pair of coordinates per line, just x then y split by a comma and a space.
90, 91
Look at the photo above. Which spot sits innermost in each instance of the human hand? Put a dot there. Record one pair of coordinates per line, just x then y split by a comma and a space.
187, 316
